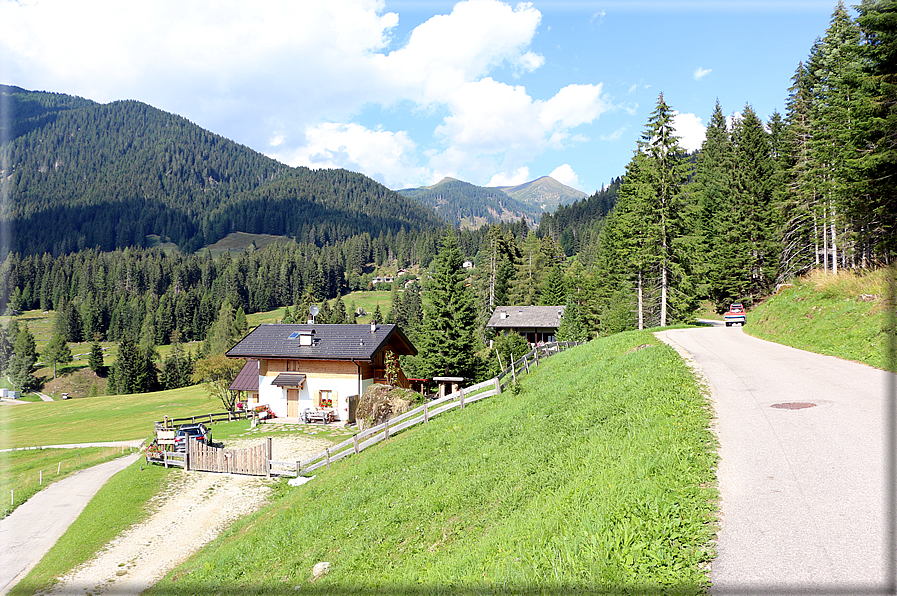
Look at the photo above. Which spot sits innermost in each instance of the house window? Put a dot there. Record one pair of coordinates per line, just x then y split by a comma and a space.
292, 366
325, 398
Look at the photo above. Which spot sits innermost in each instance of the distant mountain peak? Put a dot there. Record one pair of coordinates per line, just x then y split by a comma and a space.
545, 192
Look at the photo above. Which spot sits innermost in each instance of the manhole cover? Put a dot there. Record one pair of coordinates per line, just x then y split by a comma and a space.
793, 405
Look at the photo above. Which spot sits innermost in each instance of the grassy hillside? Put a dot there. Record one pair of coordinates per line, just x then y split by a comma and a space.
840, 315
598, 474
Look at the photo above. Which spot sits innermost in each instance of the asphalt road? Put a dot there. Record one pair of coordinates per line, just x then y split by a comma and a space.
804, 505
28, 532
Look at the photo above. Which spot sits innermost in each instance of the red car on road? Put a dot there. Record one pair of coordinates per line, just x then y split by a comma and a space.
735, 314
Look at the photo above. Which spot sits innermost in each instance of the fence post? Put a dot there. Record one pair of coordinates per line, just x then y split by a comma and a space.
536, 352
426, 415
268, 456
461, 391
187, 453
526, 362
497, 387
297, 469
513, 368
327, 450
386, 431
355, 443
41, 480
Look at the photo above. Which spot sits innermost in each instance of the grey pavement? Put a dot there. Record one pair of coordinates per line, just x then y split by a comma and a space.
34, 527
803, 467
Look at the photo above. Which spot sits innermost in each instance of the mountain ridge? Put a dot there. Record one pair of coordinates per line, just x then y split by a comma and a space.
81, 174
545, 192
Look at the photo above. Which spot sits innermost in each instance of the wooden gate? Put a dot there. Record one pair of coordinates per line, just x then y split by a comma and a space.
252, 460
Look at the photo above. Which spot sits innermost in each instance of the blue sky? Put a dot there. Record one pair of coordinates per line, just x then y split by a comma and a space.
408, 92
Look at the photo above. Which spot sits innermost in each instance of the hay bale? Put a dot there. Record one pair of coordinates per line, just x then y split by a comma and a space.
380, 403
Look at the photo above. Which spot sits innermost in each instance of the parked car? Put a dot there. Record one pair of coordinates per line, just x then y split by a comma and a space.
197, 432
735, 314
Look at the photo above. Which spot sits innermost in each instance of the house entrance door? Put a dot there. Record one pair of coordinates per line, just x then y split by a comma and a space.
292, 403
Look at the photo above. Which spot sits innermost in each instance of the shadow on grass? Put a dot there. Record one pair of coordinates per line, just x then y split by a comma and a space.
306, 587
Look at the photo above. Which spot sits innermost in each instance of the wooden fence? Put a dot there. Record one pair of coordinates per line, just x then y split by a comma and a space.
210, 418
254, 461
458, 399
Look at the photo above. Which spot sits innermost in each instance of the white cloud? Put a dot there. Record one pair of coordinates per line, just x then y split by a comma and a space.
436, 61
690, 131
385, 156
565, 175
700, 73
293, 78
614, 136
493, 125
519, 176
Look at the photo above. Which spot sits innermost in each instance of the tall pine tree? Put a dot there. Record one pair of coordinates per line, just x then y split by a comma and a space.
447, 342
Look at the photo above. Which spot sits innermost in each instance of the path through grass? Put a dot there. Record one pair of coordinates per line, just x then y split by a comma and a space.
104, 418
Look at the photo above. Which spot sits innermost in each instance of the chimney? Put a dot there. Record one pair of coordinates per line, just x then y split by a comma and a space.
373, 327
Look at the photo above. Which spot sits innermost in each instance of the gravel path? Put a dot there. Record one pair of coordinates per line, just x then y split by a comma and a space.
193, 510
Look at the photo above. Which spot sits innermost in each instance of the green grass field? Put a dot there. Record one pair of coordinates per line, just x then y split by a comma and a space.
103, 418
840, 315
597, 476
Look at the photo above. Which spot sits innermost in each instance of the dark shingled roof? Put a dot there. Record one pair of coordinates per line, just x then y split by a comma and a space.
526, 316
248, 377
330, 342
289, 380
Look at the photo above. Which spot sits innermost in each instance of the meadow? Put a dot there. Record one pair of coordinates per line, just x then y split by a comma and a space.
597, 475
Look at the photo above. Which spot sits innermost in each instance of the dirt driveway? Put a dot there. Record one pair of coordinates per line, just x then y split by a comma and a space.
194, 509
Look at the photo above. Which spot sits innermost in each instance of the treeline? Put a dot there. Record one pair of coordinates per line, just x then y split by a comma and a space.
761, 202
81, 175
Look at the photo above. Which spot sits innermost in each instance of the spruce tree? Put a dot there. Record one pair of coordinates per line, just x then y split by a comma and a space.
24, 358
447, 342
875, 203
125, 371
661, 145
572, 327
712, 206
95, 359
752, 234
57, 352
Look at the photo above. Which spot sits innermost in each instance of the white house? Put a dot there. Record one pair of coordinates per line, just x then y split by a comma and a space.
318, 367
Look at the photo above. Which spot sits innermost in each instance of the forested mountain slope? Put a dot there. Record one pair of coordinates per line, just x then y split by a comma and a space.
544, 193
577, 224
84, 175
467, 205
